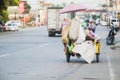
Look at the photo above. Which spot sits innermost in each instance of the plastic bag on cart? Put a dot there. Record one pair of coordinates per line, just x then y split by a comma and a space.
65, 34
86, 50
74, 29
81, 36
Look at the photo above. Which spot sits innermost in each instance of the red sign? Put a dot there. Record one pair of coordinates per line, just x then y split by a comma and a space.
21, 7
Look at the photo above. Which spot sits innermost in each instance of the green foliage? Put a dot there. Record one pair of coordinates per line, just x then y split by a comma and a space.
13, 2
4, 15
3, 8
95, 16
3, 4
27, 8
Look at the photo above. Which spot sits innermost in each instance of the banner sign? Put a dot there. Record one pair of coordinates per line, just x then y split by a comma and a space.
21, 7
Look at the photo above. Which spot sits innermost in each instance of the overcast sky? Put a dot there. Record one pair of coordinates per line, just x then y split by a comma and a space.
87, 3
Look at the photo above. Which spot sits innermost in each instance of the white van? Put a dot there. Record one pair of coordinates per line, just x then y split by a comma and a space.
115, 21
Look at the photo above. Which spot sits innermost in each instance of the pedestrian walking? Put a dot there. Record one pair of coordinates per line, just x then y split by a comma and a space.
97, 47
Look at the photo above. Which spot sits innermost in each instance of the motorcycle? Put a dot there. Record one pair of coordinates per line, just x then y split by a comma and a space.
111, 36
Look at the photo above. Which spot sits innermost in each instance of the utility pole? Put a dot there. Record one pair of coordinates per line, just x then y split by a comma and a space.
15, 15
101, 9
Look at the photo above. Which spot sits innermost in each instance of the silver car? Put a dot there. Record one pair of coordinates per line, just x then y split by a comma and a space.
12, 27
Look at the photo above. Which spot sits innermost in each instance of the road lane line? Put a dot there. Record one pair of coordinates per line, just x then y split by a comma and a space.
112, 75
4, 55
43, 45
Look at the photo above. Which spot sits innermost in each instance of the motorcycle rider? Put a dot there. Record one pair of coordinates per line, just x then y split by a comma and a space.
111, 35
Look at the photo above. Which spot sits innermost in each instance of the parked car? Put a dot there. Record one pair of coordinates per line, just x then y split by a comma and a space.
1, 29
13, 21
2, 26
103, 23
12, 27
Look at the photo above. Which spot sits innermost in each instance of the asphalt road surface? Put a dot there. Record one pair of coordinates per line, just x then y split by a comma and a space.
30, 54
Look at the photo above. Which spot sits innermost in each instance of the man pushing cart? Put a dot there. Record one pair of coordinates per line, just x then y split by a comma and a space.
76, 42
80, 43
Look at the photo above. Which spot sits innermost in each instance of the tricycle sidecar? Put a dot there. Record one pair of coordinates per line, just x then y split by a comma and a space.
79, 50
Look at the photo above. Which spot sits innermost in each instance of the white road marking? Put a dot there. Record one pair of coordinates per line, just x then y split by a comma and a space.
43, 45
4, 55
112, 75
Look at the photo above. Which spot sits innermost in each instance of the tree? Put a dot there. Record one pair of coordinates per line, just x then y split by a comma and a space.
13, 2
27, 8
4, 15
3, 5
3, 8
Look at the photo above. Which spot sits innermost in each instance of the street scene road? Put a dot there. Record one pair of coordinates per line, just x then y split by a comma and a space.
60, 40
30, 54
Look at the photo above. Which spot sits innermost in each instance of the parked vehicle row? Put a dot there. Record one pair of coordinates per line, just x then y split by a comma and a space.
12, 27
2, 26
9, 26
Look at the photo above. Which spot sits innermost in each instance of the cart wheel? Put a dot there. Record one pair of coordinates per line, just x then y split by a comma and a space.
67, 55
97, 57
